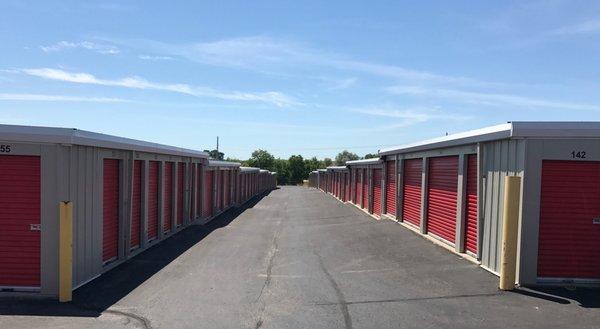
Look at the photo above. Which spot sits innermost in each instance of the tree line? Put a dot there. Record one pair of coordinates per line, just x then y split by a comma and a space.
295, 169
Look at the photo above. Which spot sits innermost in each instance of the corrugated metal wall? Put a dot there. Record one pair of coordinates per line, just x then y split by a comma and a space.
499, 159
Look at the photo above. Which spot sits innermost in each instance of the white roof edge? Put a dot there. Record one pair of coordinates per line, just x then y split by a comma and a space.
337, 168
321, 170
249, 169
72, 136
221, 163
468, 137
516, 129
364, 161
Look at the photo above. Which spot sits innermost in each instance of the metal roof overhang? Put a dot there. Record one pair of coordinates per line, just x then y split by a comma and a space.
72, 136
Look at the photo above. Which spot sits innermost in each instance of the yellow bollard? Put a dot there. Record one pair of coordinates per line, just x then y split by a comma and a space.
65, 268
512, 199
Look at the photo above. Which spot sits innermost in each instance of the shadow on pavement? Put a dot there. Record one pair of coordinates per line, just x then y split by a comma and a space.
587, 297
98, 295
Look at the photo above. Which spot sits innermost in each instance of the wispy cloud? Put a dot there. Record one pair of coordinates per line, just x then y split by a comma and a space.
266, 54
57, 98
586, 27
408, 116
87, 45
133, 82
155, 58
491, 99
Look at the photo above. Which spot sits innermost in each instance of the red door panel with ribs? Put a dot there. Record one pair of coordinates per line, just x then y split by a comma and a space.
441, 196
390, 188
168, 197
411, 189
152, 200
110, 209
357, 187
471, 205
207, 210
569, 231
136, 206
180, 189
377, 176
20, 198
365, 189
226, 188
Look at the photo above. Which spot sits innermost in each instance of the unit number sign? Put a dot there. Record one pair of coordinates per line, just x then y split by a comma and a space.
578, 154
4, 148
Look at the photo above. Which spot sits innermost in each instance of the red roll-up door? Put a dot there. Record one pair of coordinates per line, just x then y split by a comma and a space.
390, 188
180, 189
471, 205
347, 194
441, 196
152, 200
110, 210
219, 190
168, 197
136, 206
357, 187
411, 202
198, 169
365, 189
19, 220
207, 210
226, 188
569, 231
377, 176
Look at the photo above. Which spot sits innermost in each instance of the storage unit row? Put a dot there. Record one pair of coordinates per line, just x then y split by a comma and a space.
127, 195
452, 188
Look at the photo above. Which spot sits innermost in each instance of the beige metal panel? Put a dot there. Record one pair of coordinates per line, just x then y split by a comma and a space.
499, 159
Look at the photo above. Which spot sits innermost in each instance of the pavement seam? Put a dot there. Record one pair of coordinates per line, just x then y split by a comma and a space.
400, 300
338, 292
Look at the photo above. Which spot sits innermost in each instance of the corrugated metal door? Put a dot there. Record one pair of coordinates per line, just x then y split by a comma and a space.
152, 200
471, 205
347, 194
441, 195
180, 189
110, 209
226, 188
390, 188
219, 174
365, 189
357, 186
136, 206
207, 211
198, 190
569, 239
377, 176
168, 197
19, 219
411, 189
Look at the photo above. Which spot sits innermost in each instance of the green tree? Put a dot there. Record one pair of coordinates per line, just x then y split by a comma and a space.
327, 162
344, 156
215, 154
261, 159
312, 164
371, 156
296, 169
280, 166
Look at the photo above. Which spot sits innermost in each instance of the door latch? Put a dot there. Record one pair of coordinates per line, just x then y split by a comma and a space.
35, 227
596, 221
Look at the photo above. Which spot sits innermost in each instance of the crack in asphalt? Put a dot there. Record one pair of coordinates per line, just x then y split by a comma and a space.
272, 253
400, 300
142, 320
338, 292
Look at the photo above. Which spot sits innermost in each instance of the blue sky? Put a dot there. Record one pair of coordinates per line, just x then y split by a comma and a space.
297, 77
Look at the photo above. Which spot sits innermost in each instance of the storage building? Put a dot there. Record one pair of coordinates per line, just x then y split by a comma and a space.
365, 184
451, 189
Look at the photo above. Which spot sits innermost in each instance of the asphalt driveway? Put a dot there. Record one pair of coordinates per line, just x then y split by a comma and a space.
297, 258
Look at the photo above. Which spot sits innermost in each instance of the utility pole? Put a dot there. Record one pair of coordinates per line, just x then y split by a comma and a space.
217, 143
